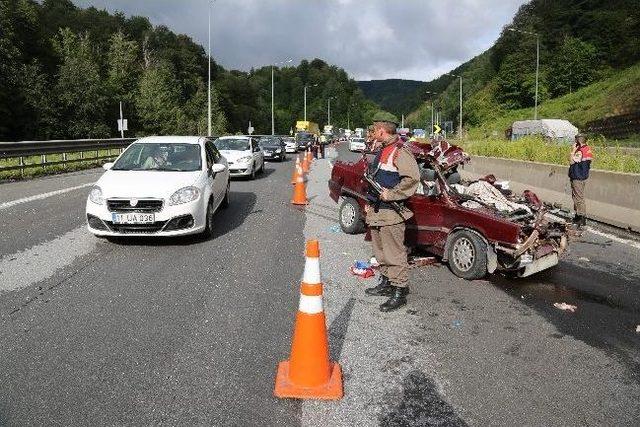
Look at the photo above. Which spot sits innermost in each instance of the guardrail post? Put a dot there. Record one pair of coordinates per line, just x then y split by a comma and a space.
43, 160
64, 160
22, 166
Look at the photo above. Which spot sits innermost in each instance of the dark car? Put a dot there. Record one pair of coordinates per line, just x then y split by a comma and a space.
477, 228
304, 140
273, 148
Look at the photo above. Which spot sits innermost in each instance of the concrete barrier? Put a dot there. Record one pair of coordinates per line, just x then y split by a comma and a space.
612, 198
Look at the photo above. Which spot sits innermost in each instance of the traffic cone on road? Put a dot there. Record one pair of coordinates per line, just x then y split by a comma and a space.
299, 192
309, 374
297, 171
305, 163
309, 156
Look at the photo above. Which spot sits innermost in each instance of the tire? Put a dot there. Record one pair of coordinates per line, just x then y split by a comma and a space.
467, 255
207, 233
226, 201
350, 216
253, 171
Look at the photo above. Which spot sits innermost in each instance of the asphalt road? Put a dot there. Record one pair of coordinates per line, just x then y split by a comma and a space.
189, 332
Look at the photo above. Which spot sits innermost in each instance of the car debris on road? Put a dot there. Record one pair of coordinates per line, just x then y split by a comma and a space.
565, 307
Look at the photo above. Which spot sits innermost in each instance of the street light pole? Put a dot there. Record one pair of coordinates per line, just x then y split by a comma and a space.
209, 75
535, 109
305, 100
432, 95
329, 109
460, 118
273, 121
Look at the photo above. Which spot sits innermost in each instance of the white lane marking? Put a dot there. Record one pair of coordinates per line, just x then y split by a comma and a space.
43, 196
615, 238
40, 262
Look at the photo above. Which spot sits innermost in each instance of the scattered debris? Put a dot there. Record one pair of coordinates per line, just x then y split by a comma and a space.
566, 307
374, 262
583, 258
362, 269
335, 228
638, 329
422, 261
457, 324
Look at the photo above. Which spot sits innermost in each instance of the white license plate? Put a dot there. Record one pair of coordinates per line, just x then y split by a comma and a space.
133, 218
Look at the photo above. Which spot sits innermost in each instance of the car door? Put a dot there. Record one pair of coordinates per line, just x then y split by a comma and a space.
258, 156
218, 180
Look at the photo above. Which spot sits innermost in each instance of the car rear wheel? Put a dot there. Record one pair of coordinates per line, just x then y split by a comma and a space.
351, 218
253, 172
467, 255
208, 229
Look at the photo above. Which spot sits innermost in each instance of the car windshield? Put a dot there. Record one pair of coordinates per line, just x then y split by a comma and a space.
160, 157
235, 144
268, 142
304, 137
358, 139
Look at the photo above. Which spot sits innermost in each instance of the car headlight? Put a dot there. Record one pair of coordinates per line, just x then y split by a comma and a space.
184, 195
245, 159
95, 195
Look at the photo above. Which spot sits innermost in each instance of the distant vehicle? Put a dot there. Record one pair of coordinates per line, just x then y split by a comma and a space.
273, 148
359, 132
357, 144
347, 133
557, 130
304, 140
327, 129
290, 145
306, 126
160, 186
243, 154
420, 133
403, 131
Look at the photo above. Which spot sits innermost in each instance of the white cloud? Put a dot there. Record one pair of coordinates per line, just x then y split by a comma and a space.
416, 39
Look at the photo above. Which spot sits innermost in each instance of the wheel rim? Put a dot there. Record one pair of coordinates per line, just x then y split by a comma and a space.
464, 254
348, 215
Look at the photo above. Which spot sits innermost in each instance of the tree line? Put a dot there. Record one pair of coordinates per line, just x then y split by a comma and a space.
64, 71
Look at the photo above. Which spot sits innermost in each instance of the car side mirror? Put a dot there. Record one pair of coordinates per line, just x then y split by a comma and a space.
218, 167
107, 166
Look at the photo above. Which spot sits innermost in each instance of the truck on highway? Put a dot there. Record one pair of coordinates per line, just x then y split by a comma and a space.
306, 126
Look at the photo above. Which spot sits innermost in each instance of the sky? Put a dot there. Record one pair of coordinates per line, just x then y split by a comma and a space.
370, 39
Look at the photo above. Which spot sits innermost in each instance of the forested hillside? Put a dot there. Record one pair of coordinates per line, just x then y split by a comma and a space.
395, 95
64, 70
581, 42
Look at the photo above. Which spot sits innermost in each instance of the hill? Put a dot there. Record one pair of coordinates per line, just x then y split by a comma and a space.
395, 95
575, 53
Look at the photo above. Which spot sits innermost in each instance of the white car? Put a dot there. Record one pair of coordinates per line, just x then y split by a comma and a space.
290, 145
357, 144
243, 154
161, 186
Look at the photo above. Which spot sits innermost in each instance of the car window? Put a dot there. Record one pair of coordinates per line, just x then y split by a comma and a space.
209, 153
215, 152
234, 144
160, 157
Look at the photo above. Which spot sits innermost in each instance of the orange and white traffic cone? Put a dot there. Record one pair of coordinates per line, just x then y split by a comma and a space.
299, 192
309, 156
308, 374
305, 164
297, 171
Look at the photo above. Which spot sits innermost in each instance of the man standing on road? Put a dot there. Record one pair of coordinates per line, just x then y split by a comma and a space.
580, 164
395, 169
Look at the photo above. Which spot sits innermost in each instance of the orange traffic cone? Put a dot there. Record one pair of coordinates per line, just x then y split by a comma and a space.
299, 192
297, 170
308, 374
305, 164
309, 156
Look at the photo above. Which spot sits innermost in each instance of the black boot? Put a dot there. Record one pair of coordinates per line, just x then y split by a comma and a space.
397, 300
582, 221
383, 288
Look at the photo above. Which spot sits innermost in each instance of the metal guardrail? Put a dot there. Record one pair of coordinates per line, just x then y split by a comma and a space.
89, 150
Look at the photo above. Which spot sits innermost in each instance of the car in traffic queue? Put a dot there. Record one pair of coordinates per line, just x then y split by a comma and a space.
478, 227
357, 144
273, 148
243, 154
304, 140
290, 145
160, 186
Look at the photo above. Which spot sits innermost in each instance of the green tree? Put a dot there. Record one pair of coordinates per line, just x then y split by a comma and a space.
574, 65
157, 100
80, 89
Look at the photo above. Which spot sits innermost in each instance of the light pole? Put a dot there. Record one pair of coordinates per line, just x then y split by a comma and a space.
273, 121
432, 95
329, 109
305, 99
460, 119
209, 76
535, 110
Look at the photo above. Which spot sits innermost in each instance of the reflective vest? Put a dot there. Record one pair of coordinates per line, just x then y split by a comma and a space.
385, 171
579, 170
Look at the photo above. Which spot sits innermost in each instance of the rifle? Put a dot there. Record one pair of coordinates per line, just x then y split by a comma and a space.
377, 189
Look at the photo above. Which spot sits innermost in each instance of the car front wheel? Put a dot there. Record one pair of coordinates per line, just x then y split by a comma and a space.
351, 218
208, 229
227, 197
467, 255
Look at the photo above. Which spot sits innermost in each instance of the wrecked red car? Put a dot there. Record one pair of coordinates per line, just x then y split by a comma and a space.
478, 227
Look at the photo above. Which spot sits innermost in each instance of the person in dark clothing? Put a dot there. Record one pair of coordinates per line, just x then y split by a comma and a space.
580, 164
